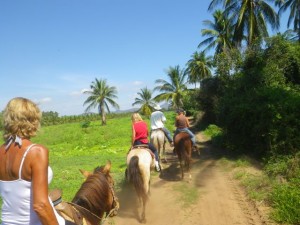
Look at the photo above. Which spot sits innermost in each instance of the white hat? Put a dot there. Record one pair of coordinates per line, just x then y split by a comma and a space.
157, 107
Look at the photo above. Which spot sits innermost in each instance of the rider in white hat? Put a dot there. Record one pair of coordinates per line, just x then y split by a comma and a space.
157, 121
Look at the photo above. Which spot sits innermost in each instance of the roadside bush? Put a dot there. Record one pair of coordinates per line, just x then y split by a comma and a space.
277, 166
285, 199
85, 124
259, 111
215, 133
287, 167
190, 104
208, 97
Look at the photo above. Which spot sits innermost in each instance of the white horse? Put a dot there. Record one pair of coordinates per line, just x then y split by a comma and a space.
139, 165
158, 139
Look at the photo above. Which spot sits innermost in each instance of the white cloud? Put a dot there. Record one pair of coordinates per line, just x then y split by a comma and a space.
79, 93
137, 83
75, 93
44, 100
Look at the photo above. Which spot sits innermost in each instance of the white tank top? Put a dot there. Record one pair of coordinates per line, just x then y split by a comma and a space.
17, 207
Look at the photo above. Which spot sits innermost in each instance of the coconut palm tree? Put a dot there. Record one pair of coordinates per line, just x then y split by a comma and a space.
219, 35
250, 18
199, 67
173, 90
145, 100
100, 95
294, 6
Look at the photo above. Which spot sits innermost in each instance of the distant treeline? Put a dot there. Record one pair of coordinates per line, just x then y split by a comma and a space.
53, 118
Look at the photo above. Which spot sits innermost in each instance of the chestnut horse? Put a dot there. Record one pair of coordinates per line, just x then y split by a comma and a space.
139, 165
183, 148
95, 199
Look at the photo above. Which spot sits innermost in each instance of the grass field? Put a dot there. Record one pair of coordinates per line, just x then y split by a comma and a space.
72, 148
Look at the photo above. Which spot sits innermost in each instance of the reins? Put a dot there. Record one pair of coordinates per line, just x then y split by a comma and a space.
115, 205
111, 212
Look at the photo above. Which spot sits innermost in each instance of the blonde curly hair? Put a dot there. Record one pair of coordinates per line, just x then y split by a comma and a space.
22, 118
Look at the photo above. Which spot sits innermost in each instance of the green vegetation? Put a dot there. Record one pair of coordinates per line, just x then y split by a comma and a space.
285, 199
249, 106
145, 100
100, 96
75, 146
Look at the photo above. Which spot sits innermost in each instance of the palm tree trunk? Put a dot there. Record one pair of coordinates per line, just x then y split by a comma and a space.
103, 117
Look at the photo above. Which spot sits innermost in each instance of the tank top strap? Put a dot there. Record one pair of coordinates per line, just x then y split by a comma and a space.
23, 158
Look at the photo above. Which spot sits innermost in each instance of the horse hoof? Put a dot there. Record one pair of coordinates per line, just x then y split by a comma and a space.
144, 221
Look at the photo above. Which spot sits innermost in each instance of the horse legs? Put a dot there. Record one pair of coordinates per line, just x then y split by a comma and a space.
181, 164
182, 172
143, 216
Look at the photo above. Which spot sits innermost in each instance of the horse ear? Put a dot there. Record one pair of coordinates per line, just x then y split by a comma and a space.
107, 167
85, 173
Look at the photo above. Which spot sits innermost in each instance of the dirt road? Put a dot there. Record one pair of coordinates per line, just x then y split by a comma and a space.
217, 199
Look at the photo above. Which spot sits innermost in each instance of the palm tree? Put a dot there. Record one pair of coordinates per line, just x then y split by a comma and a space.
100, 95
219, 35
174, 90
250, 18
145, 100
294, 6
199, 67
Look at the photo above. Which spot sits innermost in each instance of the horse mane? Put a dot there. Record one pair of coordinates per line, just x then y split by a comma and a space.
94, 193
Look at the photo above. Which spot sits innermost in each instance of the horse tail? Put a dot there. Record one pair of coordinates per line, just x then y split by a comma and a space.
135, 177
153, 140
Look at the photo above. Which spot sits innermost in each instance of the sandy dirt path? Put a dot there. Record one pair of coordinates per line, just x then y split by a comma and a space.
220, 199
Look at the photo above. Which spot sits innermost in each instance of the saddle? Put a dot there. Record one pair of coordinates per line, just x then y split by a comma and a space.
143, 146
69, 211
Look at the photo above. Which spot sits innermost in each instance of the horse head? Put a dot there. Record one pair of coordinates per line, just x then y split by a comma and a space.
96, 193
100, 169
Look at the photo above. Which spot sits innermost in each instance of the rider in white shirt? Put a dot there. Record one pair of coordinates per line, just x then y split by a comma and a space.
157, 121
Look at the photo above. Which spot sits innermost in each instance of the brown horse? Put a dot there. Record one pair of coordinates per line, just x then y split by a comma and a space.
94, 200
183, 148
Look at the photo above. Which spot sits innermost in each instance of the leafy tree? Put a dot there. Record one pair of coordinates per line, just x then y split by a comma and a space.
145, 100
219, 34
100, 95
190, 103
174, 90
227, 63
259, 110
250, 18
199, 67
294, 6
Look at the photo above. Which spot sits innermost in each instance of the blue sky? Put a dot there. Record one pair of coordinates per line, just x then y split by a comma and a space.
51, 50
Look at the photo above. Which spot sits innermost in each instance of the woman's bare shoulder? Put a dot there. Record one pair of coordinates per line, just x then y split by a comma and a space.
38, 150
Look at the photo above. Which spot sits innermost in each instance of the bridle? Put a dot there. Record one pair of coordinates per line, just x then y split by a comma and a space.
115, 203
113, 211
